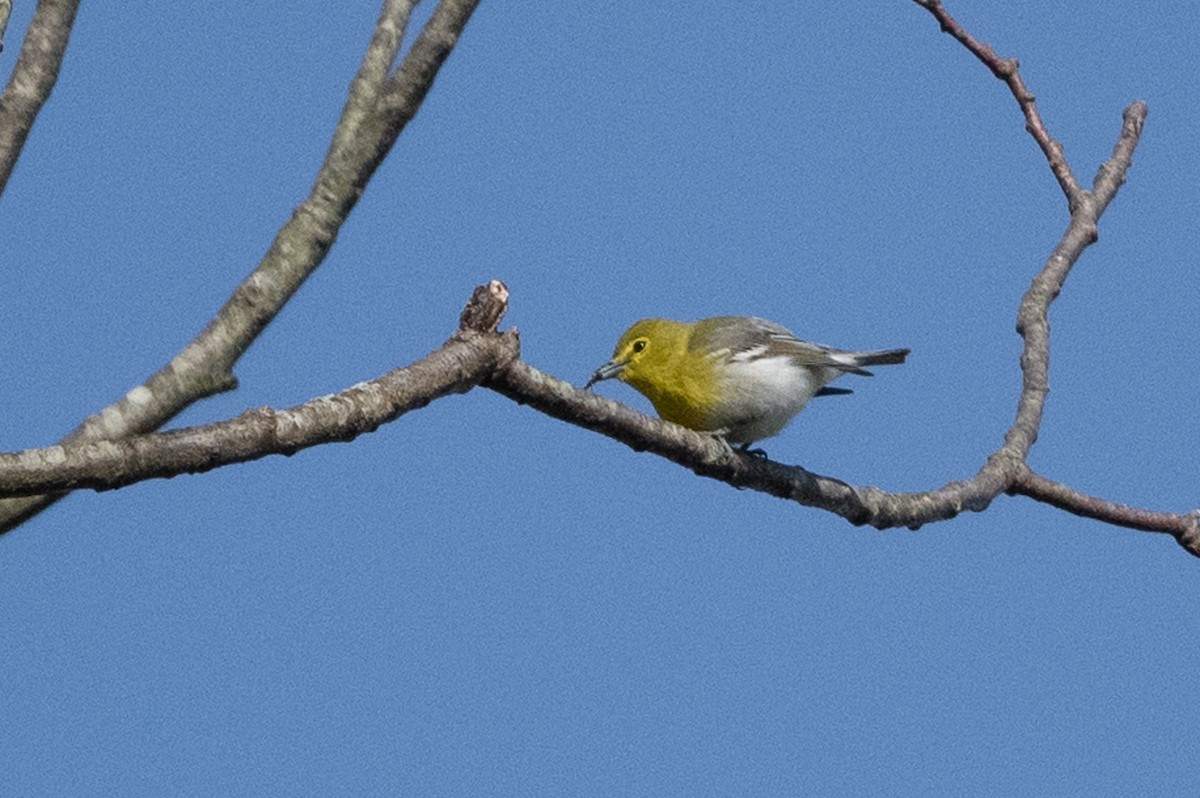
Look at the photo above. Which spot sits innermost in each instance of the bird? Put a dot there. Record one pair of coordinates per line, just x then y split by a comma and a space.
740, 378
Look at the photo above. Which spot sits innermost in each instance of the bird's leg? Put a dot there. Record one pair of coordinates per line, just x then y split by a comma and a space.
759, 453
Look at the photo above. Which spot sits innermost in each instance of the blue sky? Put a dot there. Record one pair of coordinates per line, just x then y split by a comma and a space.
479, 599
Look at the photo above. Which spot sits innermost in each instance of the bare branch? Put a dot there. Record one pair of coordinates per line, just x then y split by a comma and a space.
471, 355
1184, 528
1009, 464
707, 456
479, 355
407, 88
1007, 70
1033, 321
1006, 470
365, 134
33, 76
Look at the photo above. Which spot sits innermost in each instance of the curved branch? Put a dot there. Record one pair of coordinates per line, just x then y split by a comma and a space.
364, 135
1006, 470
462, 362
1184, 528
479, 355
1033, 317
707, 456
1007, 70
33, 77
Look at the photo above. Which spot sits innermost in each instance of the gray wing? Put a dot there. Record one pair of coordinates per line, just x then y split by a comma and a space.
733, 334
759, 336
750, 336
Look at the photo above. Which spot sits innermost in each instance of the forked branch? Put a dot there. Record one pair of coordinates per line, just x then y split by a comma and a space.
381, 101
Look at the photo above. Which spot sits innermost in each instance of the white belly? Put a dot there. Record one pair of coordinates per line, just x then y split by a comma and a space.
763, 394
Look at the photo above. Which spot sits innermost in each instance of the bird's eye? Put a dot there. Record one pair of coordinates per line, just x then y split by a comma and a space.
639, 345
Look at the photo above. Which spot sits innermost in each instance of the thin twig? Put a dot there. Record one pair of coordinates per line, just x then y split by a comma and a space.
1008, 70
1185, 528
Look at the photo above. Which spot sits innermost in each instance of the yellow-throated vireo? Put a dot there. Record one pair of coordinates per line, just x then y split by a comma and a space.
738, 377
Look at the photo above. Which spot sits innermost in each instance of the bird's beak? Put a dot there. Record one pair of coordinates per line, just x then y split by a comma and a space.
612, 368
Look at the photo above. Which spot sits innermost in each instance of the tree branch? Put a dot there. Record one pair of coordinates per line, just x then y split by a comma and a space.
1007, 70
471, 355
479, 355
33, 77
364, 135
1185, 528
1006, 470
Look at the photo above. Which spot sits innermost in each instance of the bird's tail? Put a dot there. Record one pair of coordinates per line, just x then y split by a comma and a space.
883, 357
854, 361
